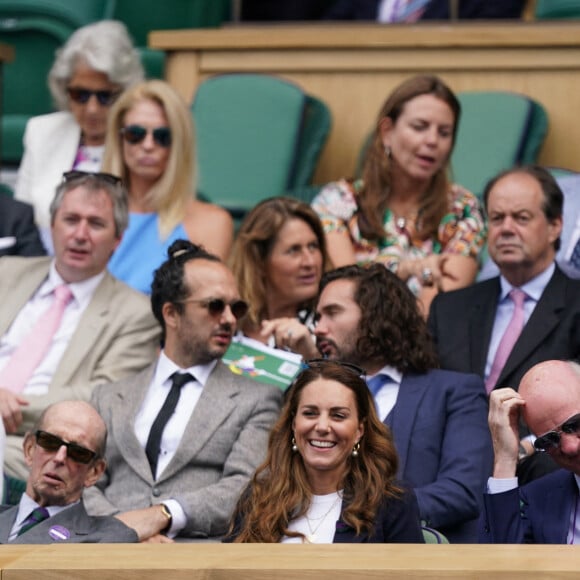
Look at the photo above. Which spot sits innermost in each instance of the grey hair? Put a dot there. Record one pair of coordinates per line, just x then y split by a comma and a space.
106, 47
94, 183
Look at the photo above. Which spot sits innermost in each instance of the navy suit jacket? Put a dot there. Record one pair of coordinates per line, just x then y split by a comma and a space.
18, 233
537, 513
435, 10
439, 425
461, 323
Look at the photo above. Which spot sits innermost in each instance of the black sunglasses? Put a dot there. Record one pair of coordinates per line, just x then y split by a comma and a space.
134, 134
82, 96
216, 306
551, 439
50, 442
74, 174
314, 362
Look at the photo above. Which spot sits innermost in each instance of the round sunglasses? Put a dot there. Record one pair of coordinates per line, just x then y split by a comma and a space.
216, 306
134, 134
82, 96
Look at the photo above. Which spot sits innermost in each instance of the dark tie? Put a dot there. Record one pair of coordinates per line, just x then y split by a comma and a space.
35, 517
575, 257
153, 446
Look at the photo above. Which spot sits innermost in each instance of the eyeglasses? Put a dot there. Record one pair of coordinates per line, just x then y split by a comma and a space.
82, 96
108, 177
50, 442
314, 362
551, 439
216, 306
134, 134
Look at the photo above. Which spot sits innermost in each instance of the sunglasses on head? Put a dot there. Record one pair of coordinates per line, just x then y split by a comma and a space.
74, 174
317, 362
134, 134
52, 443
82, 96
216, 306
551, 439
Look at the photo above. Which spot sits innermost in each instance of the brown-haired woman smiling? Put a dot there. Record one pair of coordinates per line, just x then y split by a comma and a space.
329, 471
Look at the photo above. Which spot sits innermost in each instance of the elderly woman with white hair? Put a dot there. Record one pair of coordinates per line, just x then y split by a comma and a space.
90, 71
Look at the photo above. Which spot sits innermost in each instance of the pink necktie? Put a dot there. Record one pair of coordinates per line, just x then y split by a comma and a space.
36, 344
511, 334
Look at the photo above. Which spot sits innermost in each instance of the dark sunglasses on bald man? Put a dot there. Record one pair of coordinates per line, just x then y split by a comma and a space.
551, 439
134, 134
216, 306
52, 443
82, 96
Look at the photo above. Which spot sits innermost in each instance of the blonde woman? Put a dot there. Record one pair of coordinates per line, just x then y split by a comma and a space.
150, 145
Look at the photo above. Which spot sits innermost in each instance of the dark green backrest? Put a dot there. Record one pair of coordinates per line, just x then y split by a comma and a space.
554, 9
142, 16
248, 130
497, 131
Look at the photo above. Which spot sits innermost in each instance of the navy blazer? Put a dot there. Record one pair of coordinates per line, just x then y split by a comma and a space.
397, 521
18, 233
461, 323
537, 513
435, 10
439, 425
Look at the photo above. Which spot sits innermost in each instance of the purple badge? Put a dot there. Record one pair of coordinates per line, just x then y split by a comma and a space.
59, 533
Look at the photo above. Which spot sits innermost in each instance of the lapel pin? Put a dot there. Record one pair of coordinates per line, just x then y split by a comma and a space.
59, 533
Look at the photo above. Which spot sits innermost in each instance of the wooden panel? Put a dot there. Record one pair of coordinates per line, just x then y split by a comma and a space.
286, 562
354, 67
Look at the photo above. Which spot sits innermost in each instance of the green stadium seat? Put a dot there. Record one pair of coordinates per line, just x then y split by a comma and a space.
256, 136
557, 9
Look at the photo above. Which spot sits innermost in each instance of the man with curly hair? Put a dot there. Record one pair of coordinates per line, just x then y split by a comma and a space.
368, 317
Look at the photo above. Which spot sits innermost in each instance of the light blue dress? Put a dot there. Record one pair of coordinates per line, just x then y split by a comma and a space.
141, 251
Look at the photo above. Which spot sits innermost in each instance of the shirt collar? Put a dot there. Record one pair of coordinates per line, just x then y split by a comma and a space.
166, 367
82, 291
534, 288
391, 372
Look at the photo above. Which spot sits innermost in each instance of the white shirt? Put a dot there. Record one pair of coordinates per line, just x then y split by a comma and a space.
499, 485
319, 524
41, 301
28, 505
386, 397
388, 10
175, 427
505, 308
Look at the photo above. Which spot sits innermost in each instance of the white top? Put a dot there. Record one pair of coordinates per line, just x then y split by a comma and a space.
319, 524
41, 301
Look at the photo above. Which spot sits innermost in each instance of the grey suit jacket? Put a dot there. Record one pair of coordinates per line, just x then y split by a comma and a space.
117, 336
224, 441
82, 527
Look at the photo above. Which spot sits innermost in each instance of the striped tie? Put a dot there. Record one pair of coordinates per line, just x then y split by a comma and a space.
35, 517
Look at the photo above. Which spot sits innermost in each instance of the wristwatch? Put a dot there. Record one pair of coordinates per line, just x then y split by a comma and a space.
165, 511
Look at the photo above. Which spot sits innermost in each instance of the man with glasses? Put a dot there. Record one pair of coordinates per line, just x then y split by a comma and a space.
66, 324
186, 434
64, 452
545, 511
368, 316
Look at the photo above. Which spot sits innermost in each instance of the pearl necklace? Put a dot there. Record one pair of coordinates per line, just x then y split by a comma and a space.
311, 537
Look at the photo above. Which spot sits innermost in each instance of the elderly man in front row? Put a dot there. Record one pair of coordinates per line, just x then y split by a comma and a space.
546, 511
65, 455
186, 434
66, 324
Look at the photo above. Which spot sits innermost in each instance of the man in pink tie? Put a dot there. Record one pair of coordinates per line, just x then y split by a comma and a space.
502, 327
65, 323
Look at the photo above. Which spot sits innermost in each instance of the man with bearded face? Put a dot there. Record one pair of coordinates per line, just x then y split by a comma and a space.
185, 434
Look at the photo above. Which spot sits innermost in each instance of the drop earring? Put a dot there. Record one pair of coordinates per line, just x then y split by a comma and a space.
355, 449
388, 152
294, 446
